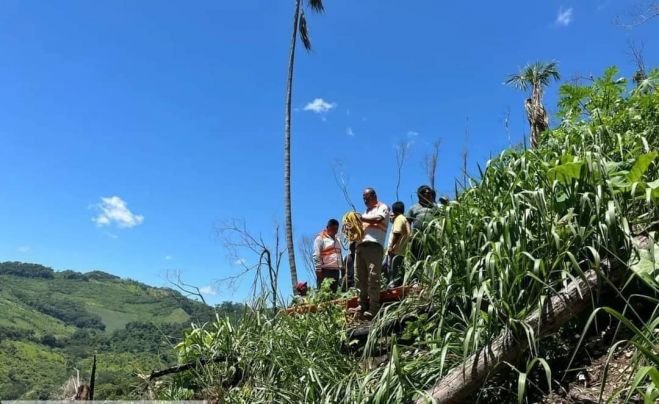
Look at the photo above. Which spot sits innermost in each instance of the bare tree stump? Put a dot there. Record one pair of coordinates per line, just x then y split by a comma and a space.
83, 393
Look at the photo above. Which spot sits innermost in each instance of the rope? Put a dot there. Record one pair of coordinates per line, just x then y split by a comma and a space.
352, 227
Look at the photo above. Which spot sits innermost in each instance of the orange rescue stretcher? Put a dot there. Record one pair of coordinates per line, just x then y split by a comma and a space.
386, 296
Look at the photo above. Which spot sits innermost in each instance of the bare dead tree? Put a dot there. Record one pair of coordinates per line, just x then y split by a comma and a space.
265, 269
641, 13
305, 247
465, 156
341, 182
430, 162
506, 124
173, 277
402, 149
636, 52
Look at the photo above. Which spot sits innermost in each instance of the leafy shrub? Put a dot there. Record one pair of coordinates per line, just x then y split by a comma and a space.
26, 270
68, 311
101, 276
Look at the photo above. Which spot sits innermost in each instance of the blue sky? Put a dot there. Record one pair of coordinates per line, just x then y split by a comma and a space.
173, 112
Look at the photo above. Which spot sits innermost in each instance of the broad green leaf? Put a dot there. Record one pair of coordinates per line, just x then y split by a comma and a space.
566, 172
653, 188
647, 267
641, 165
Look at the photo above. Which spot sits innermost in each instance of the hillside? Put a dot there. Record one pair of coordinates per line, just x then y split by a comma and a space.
542, 270
53, 322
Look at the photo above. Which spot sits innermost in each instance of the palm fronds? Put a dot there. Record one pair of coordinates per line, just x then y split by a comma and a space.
316, 5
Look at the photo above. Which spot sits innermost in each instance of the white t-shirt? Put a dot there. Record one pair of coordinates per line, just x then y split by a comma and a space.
376, 232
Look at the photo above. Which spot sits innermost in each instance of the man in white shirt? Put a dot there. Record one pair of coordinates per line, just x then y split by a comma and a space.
370, 253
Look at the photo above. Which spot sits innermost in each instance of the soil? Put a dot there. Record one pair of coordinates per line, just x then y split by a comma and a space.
583, 382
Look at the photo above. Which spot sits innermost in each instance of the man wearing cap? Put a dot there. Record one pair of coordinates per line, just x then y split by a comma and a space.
327, 255
370, 253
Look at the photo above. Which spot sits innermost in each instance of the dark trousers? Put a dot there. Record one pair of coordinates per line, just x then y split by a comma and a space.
328, 273
368, 268
394, 264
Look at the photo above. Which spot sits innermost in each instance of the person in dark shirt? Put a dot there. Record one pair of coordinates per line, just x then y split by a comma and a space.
419, 215
421, 212
348, 270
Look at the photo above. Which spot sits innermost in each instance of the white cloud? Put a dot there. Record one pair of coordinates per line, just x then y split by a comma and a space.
23, 249
564, 17
348, 112
207, 290
112, 235
319, 106
168, 258
240, 261
349, 131
115, 210
412, 133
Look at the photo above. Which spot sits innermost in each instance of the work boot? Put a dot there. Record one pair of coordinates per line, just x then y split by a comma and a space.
358, 310
369, 314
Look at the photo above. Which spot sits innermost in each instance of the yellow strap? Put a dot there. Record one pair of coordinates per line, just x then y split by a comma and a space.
352, 226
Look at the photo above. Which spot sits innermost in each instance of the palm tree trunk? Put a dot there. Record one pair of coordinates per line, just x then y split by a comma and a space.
287, 150
537, 119
535, 136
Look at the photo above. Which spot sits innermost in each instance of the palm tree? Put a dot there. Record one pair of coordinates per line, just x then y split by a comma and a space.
299, 24
535, 77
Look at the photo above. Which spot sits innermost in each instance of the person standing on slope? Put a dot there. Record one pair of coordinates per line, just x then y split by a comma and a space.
327, 255
419, 215
398, 237
421, 212
370, 253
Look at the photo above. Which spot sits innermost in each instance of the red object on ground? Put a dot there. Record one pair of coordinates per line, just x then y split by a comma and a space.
301, 288
386, 296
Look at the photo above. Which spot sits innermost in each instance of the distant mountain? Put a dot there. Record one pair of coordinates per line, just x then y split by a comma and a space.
51, 323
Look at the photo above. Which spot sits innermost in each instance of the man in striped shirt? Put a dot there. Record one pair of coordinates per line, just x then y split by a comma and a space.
327, 255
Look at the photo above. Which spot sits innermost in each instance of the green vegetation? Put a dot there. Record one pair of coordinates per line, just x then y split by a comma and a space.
54, 322
532, 221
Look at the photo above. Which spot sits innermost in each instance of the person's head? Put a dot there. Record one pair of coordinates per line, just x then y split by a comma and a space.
443, 200
397, 208
425, 194
370, 197
301, 288
332, 227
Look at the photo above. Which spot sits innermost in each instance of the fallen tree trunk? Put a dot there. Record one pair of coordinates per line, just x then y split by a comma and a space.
468, 377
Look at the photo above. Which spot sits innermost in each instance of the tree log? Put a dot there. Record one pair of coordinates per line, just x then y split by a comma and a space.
466, 378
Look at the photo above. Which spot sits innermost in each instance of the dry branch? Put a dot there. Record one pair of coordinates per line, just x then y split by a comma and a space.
186, 366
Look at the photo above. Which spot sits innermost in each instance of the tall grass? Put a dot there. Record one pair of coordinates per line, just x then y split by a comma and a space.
533, 221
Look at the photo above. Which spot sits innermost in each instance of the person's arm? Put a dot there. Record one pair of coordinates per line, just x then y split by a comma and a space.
372, 220
380, 215
394, 242
317, 243
411, 215
396, 234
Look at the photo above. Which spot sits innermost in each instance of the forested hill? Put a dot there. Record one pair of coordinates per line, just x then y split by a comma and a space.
52, 322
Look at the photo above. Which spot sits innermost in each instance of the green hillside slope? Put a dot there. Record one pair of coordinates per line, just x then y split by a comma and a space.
51, 323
